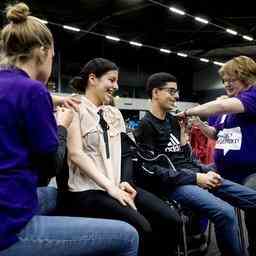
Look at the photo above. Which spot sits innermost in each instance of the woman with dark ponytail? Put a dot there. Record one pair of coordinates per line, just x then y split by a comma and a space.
28, 141
94, 149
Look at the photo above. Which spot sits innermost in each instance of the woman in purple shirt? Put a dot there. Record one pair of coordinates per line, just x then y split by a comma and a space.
28, 140
235, 149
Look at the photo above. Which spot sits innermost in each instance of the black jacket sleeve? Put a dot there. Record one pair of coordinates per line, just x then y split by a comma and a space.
181, 177
50, 164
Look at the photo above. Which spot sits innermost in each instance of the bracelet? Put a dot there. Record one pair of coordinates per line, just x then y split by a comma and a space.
186, 113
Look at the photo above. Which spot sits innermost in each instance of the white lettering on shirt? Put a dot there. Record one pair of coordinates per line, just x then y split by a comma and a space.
229, 139
223, 118
173, 144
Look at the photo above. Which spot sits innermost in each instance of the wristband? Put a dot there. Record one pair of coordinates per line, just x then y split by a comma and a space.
186, 113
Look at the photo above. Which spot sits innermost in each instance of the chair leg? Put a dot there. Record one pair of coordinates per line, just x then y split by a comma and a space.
209, 236
175, 205
184, 235
241, 230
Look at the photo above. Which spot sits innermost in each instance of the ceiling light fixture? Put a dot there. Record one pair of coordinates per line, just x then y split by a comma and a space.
181, 54
204, 60
165, 50
175, 10
113, 38
71, 28
135, 43
231, 31
204, 21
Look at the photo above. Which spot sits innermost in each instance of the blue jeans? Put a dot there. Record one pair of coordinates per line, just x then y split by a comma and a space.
47, 200
72, 236
217, 205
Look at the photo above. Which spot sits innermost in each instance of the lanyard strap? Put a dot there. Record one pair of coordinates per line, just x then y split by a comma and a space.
105, 127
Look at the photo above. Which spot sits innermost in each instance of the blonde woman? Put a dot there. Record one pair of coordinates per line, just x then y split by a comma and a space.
29, 140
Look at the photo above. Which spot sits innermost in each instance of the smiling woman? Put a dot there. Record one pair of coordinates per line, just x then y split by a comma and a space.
96, 186
97, 68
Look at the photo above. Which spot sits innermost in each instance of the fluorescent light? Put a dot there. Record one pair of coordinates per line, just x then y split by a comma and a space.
201, 20
230, 31
165, 50
135, 43
71, 28
218, 63
173, 9
44, 21
113, 38
181, 54
204, 60
248, 38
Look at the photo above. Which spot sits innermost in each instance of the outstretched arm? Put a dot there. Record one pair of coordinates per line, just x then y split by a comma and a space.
231, 105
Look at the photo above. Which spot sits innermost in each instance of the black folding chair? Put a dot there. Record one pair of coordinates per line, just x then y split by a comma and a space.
144, 178
251, 183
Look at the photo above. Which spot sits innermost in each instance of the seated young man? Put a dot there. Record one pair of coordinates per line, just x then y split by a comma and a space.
191, 183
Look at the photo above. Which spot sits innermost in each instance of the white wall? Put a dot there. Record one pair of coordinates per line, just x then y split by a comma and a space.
144, 104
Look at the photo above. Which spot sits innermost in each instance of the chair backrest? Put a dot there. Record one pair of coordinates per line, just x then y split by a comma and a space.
128, 147
62, 175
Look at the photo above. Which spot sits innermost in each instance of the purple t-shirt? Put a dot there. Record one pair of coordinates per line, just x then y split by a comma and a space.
27, 127
235, 150
213, 120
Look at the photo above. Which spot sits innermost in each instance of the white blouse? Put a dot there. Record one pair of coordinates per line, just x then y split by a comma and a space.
94, 145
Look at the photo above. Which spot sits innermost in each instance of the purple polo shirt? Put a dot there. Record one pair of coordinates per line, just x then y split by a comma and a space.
235, 150
27, 127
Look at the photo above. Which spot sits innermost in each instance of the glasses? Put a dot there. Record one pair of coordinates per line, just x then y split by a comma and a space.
171, 91
229, 81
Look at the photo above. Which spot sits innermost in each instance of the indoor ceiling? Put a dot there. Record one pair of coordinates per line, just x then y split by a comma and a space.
152, 24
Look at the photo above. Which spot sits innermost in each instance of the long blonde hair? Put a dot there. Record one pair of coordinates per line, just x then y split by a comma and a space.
22, 35
242, 68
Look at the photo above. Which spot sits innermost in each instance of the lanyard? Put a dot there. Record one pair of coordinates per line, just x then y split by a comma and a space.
105, 127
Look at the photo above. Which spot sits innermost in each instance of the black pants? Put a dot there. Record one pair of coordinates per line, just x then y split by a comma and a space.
159, 226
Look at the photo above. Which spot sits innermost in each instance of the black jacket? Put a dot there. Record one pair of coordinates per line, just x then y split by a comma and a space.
163, 137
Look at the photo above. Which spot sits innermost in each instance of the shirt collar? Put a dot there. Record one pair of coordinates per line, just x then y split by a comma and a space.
91, 105
14, 69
